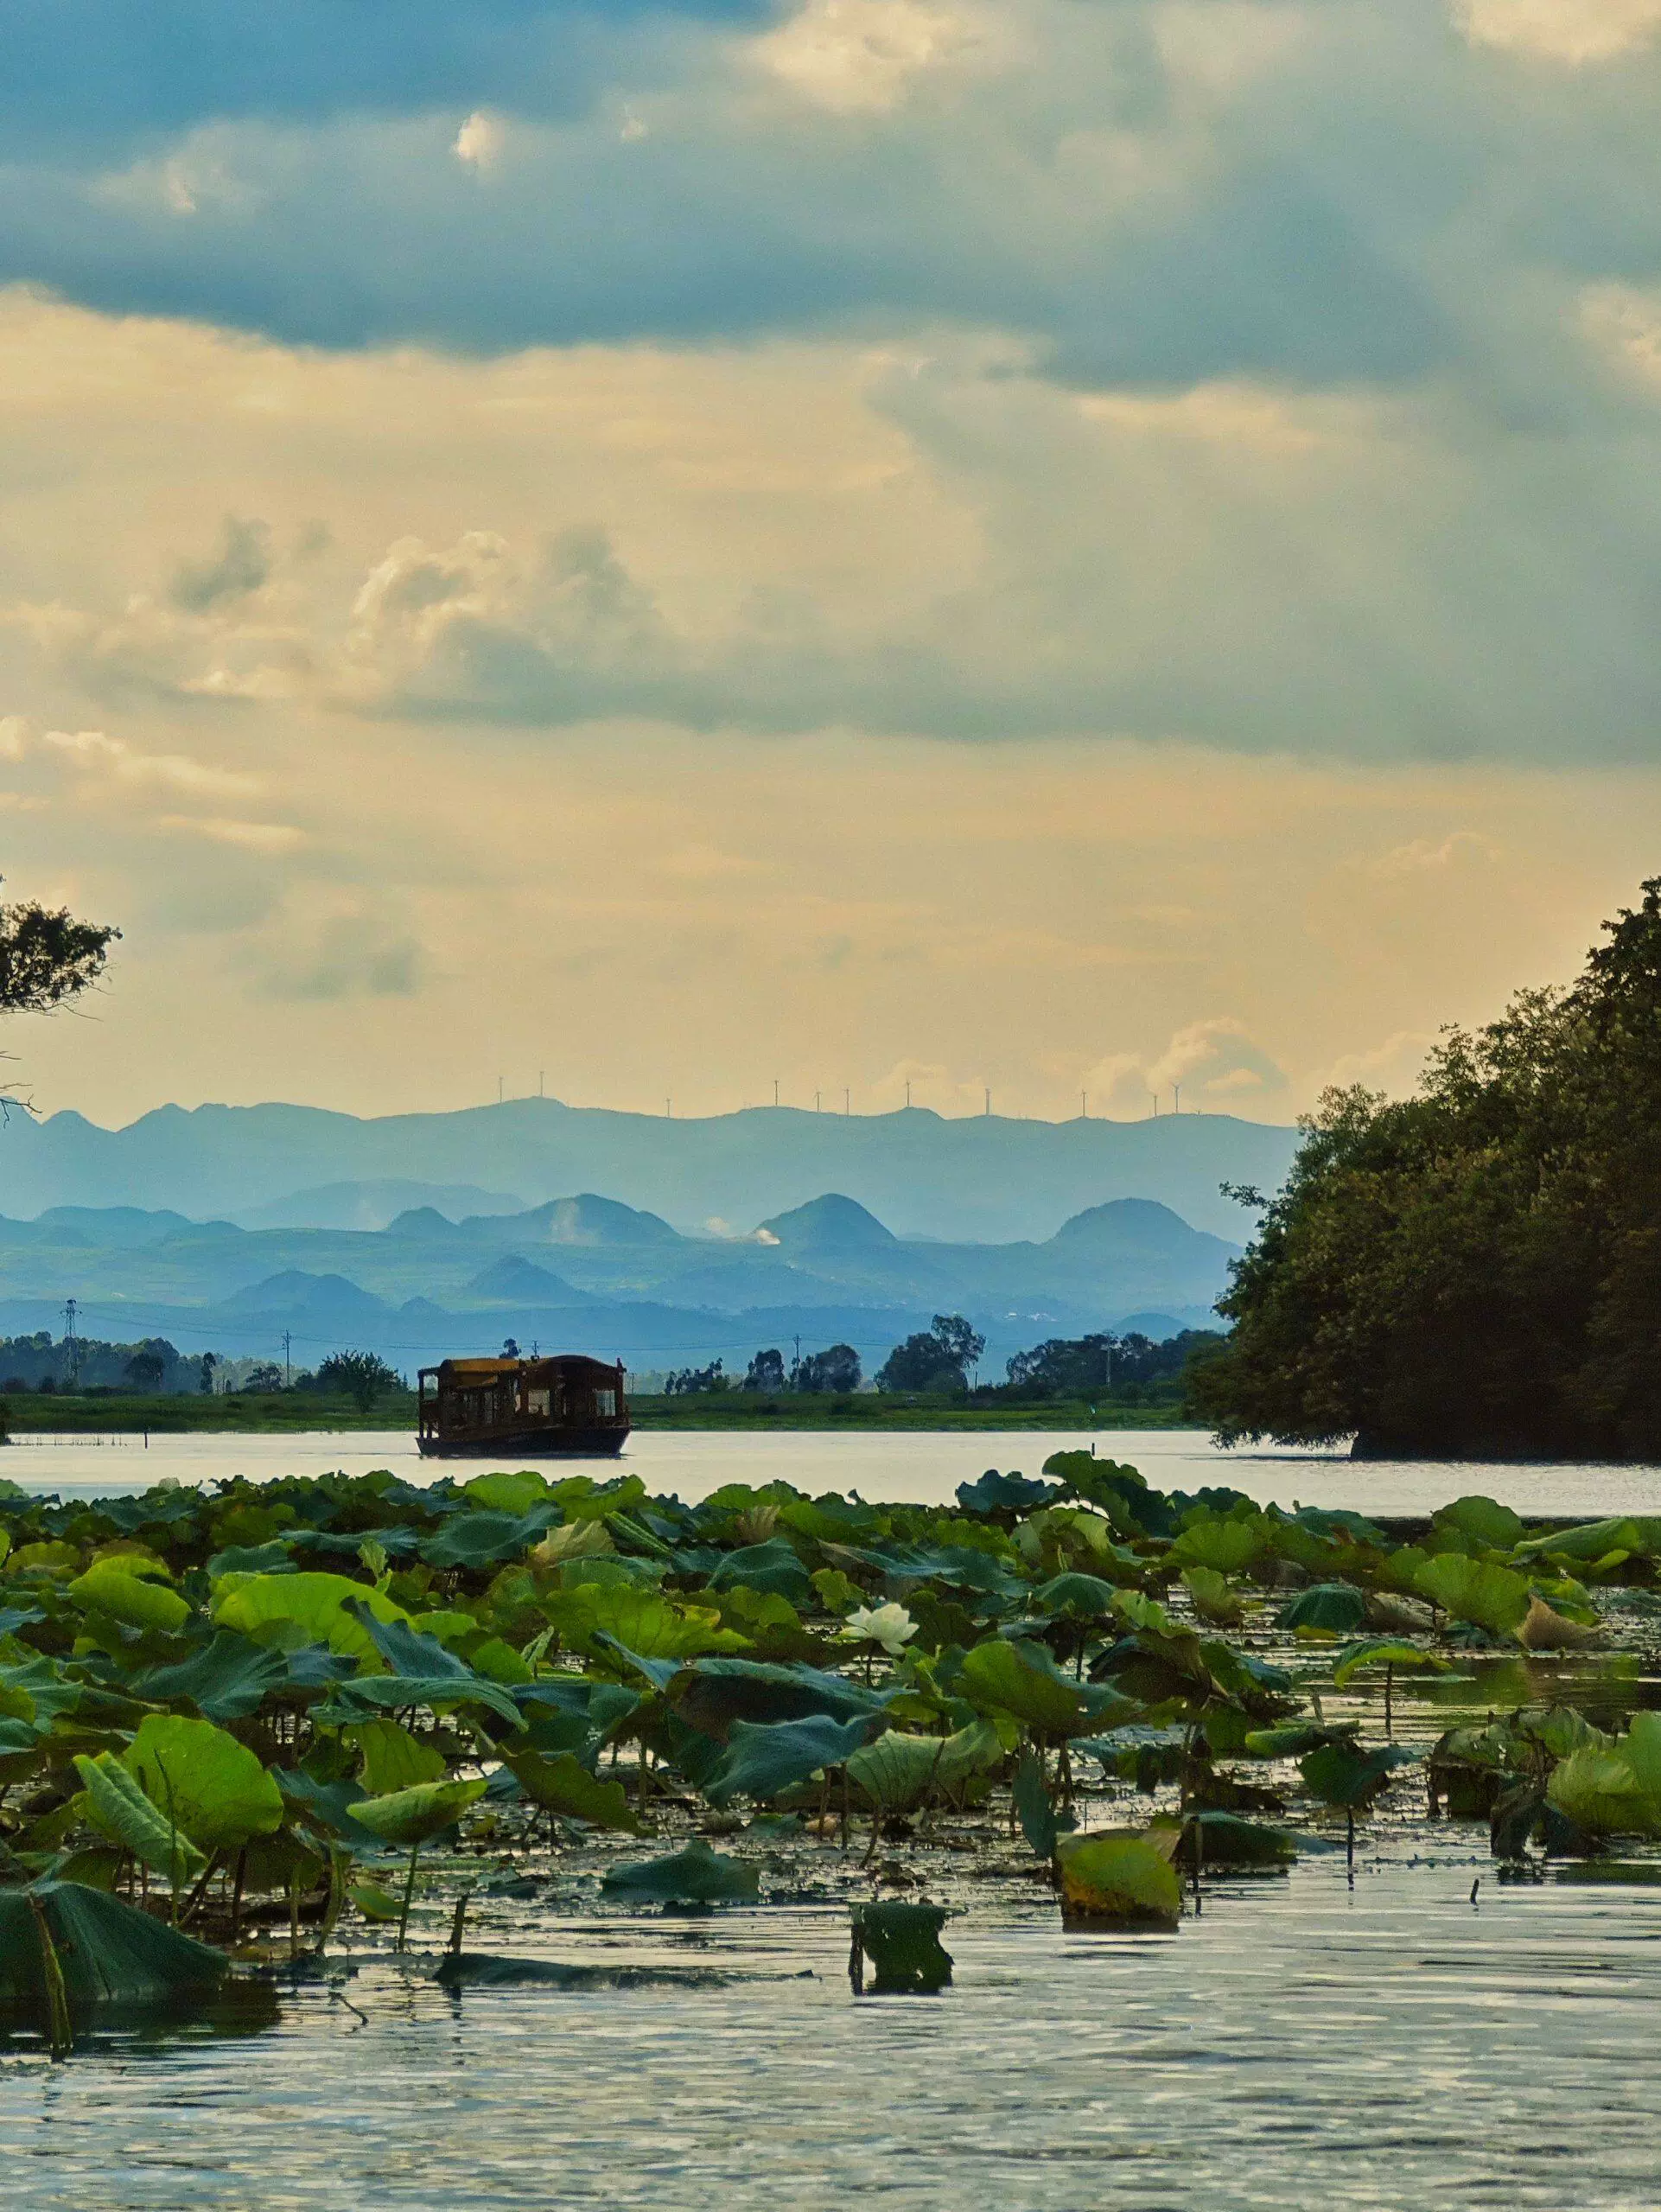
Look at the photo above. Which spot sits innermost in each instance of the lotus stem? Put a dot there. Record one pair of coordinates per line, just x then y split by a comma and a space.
60, 2031
1349, 1846
192, 1902
409, 1892
236, 1896
1389, 1681
459, 1920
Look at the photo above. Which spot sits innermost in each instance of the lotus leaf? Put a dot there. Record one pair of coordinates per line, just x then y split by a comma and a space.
1223, 1839
761, 1759
774, 1567
212, 1786
1120, 1875
645, 1623
272, 1558
1633, 1534
1022, 1680
712, 1694
694, 1876
996, 1493
1211, 1598
1599, 1791
902, 1942
391, 1758
564, 1786
1490, 1523
1029, 1795
361, 1697
1336, 1608
1345, 1776
498, 1661
1382, 1651
225, 1679
120, 1808
487, 1540
1226, 1546
129, 1596
329, 1806
322, 1608
1075, 1597
1471, 1589
897, 1772
107, 1952
373, 1903
509, 1494
412, 1817
1543, 1629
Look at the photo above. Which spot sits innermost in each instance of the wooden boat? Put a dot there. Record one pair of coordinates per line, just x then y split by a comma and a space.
568, 1407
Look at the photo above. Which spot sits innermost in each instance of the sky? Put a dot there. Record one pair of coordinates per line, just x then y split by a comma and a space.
1065, 548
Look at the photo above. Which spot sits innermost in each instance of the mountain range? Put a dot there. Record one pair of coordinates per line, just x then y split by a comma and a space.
588, 1272
983, 1177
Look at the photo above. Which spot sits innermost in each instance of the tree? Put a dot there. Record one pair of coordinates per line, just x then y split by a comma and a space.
145, 1370
765, 1372
689, 1382
836, 1369
1063, 1366
934, 1360
267, 1376
46, 957
361, 1376
209, 1360
1475, 1271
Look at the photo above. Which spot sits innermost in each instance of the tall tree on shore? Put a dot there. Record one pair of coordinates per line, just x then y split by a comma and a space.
47, 958
1476, 1270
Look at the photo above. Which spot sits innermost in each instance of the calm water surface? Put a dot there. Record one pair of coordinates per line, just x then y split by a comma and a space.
918, 1468
1304, 2043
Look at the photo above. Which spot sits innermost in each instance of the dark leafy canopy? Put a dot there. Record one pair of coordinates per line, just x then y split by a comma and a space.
46, 957
361, 1376
936, 1359
1081, 1366
1476, 1269
836, 1368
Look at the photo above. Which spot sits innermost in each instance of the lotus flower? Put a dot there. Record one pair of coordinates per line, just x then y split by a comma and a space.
889, 1625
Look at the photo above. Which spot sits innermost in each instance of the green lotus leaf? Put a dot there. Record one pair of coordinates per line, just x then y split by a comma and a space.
762, 1758
1347, 1778
1483, 1519
897, 1772
515, 1494
1383, 1651
120, 1807
695, 1875
774, 1568
110, 1586
108, 1952
212, 1786
391, 1758
1335, 1608
643, 1620
487, 1540
1493, 1597
1225, 1546
1022, 1680
1074, 1596
225, 1679
1223, 1839
563, 1785
374, 1903
1121, 1877
1212, 1600
902, 1942
712, 1694
408, 1817
315, 1605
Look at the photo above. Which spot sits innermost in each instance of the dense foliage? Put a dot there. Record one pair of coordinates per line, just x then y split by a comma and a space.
1475, 1271
48, 957
936, 1359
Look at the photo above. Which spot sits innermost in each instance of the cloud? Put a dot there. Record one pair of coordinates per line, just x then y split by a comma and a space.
241, 565
1428, 856
352, 956
480, 141
858, 57
1574, 31
1215, 1062
1393, 1067
98, 758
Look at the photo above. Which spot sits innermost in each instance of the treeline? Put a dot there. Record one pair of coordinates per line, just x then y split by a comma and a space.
1476, 1272
939, 1363
153, 1367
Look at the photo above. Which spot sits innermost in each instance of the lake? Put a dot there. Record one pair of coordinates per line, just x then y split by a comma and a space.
916, 1467
1304, 2043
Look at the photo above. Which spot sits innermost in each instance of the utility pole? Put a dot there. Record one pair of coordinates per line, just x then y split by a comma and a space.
288, 1359
796, 1364
816, 1101
1176, 1093
71, 1344
775, 1090
988, 1104
845, 1106
1083, 1105
908, 1093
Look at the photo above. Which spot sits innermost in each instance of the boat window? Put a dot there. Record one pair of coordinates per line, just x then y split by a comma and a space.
536, 1401
605, 1404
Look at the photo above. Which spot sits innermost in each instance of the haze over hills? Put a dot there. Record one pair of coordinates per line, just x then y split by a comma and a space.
588, 1272
981, 1177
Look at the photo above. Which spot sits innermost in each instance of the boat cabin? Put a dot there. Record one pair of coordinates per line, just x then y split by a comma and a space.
565, 1407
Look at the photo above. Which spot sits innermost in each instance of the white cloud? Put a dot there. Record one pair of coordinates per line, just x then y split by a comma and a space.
1213, 1062
861, 57
95, 755
1574, 31
1434, 856
480, 142
1392, 1066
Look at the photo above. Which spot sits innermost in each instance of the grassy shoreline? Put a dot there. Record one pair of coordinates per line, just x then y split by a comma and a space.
289, 1413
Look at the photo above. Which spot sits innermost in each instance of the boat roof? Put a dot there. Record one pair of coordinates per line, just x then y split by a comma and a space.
484, 1370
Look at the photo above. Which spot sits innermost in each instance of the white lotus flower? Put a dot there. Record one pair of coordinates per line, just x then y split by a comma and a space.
889, 1625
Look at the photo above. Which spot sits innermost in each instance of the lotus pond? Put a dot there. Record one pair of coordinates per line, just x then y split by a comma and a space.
528, 1838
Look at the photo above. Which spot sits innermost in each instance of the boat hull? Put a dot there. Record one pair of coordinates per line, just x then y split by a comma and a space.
528, 1443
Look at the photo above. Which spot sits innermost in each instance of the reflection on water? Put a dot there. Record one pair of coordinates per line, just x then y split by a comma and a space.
922, 1468
1300, 2043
